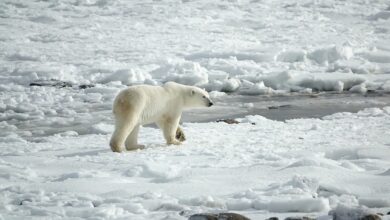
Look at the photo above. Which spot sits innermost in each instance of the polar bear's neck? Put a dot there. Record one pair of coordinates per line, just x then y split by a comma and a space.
176, 96
179, 94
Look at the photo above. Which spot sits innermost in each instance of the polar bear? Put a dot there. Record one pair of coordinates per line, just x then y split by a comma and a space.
146, 104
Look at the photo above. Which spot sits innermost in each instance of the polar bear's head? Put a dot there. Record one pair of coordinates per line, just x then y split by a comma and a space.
197, 97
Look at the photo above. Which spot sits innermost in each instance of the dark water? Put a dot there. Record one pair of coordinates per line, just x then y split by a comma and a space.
275, 107
284, 107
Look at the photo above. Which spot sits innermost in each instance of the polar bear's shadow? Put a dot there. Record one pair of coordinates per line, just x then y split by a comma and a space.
155, 146
85, 153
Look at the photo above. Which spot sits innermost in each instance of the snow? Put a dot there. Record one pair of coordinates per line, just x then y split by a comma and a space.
127, 77
374, 202
194, 42
361, 88
63, 62
331, 54
301, 165
344, 213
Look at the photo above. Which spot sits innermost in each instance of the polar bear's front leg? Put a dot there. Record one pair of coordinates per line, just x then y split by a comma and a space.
132, 140
169, 126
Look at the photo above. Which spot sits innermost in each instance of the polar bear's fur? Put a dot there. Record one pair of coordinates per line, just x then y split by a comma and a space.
145, 104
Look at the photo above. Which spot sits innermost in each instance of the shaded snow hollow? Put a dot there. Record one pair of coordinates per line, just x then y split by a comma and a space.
259, 168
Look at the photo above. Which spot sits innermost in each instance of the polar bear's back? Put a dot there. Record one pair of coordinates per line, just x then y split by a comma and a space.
149, 102
138, 95
143, 90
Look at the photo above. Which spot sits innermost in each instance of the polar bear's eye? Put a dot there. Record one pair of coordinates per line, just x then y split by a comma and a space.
204, 97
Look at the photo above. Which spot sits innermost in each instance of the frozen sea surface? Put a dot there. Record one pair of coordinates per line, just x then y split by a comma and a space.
259, 168
251, 47
309, 81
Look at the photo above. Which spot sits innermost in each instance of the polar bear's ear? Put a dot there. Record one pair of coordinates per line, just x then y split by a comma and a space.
192, 92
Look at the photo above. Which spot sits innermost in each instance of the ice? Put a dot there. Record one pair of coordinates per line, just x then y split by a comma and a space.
323, 85
230, 85
161, 180
101, 128
386, 86
354, 66
292, 56
378, 56
158, 174
63, 62
279, 81
374, 202
387, 172
22, 57
80, 174
352, 166
331, 54
98, 49
185, 72
248, 88
343, 212
278, 174
213, 94
381, 15
239, 204
361, 88
43, 19
127, 77
298, 205
313, 163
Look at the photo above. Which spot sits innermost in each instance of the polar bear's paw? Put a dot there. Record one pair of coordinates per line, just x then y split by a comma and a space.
174, 142
135, 147
180, 134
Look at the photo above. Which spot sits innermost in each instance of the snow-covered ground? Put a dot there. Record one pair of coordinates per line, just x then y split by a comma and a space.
259, 167
55, 160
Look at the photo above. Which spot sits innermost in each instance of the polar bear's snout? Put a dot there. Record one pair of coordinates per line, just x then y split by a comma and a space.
211, 103
207, 101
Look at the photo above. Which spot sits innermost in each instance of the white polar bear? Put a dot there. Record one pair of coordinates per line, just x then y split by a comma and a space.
145, 104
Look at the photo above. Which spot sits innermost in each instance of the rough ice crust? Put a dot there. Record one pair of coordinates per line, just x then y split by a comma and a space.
257, 167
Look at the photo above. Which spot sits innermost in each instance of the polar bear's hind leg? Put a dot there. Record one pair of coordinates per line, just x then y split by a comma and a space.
123, 127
